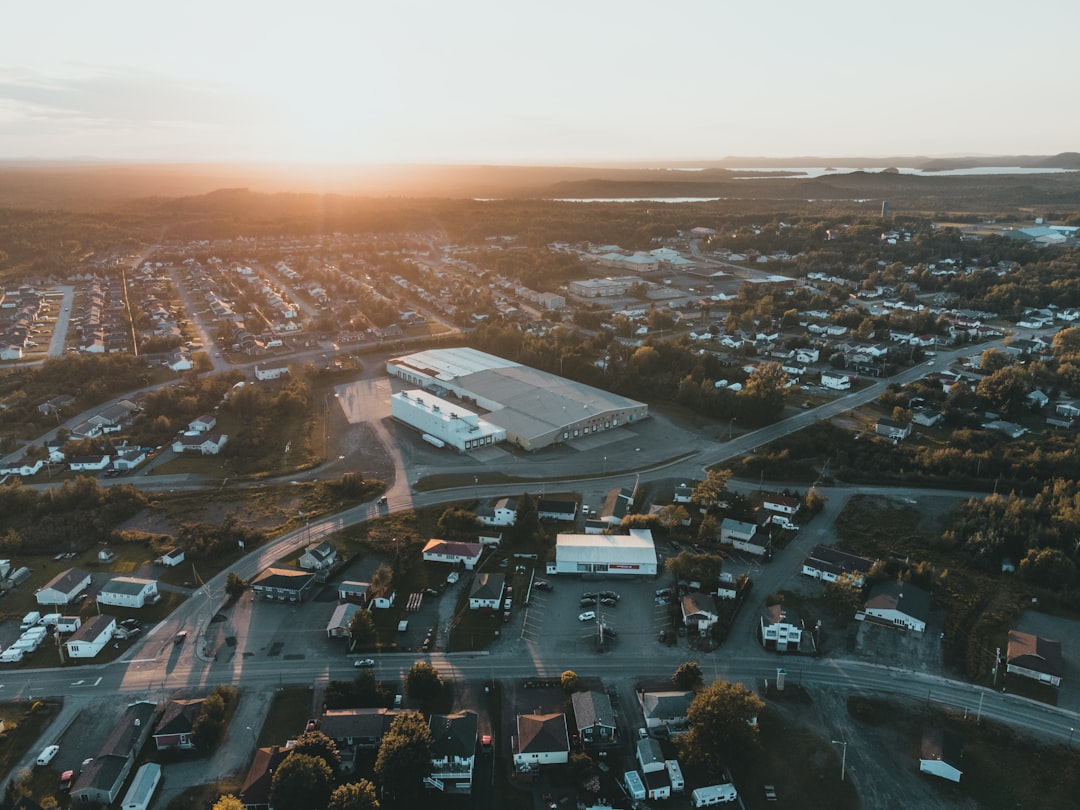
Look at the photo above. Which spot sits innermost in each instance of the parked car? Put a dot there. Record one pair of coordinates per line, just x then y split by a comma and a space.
47, 754
587, 603
607, 601
542, 585
66, 778
610, 595
452, 577
663, 591
365, 663
506, 617
587, 616
590, 595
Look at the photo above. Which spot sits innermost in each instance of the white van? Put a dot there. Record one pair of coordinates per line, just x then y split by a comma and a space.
713, 794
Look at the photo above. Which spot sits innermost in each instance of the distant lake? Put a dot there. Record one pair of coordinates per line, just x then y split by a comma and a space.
823, 171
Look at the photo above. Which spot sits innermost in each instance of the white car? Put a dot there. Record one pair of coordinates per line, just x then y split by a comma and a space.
587, 616
46, 756
364, 662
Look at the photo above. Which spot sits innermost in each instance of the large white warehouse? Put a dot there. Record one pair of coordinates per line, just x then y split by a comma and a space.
448, 423
616, 554
534, 408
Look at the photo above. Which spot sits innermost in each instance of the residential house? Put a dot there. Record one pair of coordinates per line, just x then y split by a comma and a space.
91, 637
1069, 409
780, 630
255, 793
782, 504
22, 467
891, 429
207, 444
616, 506
319, 557
359, 728
454, 553
745, 537
487, 591
180, 361
542, 739
653, 768
594, 717
836, 381
453, 752
1034, 657
502, 512
64, 588
129, 592
204, 424
175, 728
92, 463
684, 493
899, 604
350, 591
270, 372
128, 458
926, 416
100, 781
171, 558
941, 754
699, 611
666, 710
340, 619
283, 584
549, 509
829, 564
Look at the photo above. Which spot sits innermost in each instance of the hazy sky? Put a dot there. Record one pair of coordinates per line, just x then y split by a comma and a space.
559, 81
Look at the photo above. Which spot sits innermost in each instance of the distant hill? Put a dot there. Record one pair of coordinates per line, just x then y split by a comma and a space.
90, 186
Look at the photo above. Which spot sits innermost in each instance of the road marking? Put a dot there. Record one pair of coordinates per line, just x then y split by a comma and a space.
84, 683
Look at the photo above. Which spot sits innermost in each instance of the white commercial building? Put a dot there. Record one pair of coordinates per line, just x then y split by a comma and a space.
618, 554
535, 409
449, 423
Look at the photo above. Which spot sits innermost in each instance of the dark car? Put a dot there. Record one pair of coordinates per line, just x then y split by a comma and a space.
609, 595
506, 616
180, 637
66, 778
542, 585
590, 595
588, 603
609, 602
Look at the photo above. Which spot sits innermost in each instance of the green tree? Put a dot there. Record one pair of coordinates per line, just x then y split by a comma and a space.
843, 595
301, 782
723, 728
688, 676
317, 744
405, 756
992, 360
362, 628
228, 802
674, 515
382, 579
235, 586
354, 796
206, 732
569, 680
1047, 567
423, 681
455, 523
708, 492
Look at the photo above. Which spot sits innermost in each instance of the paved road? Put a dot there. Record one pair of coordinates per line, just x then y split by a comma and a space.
63, 318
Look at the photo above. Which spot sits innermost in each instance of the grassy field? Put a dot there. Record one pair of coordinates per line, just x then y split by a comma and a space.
23, 724
1002, 770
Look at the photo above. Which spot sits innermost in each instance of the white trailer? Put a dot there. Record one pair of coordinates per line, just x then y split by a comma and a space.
142, 787
713, 794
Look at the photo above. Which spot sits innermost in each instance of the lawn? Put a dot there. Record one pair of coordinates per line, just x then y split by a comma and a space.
1001, 769
289, 713
23, 724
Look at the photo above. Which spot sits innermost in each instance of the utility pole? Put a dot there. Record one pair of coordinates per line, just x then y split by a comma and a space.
843, 758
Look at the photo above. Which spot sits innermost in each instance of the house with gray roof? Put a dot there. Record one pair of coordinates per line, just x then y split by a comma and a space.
453, 751
594, 717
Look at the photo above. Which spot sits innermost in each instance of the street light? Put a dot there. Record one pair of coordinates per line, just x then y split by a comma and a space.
843, 759
730, 427
1072, 730
605, 466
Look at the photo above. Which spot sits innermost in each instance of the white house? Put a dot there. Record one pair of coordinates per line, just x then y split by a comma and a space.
128, 458
204, 424
892, 429
829, 564
171, 558
899, 604
180, 361
782, 504
744, 537
501, 513
130, 592
270, 372
487, 591
319, 557
541, 739
204, 443
836, 381
91, 638
453, 752
941, 754
22, 467
64, 587
340, 619
88, 463
448, 551
666, 710
548, 509
778, 631
654, 772
1034, 657
699, 610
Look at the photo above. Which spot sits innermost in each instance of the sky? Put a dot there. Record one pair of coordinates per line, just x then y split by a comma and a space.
553, 82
